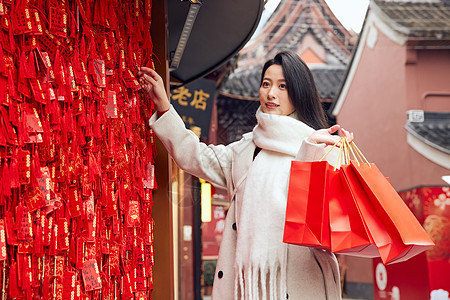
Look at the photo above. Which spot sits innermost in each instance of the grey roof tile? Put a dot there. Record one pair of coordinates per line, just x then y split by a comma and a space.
434, 130
327, 78
429, 20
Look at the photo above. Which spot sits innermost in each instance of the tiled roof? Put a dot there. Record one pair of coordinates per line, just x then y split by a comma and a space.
423, 19
286, 29
433, 129
328, 79
246, 83
291, 27
235, 117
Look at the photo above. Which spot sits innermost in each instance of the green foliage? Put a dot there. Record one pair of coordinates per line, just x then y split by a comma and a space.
209, 269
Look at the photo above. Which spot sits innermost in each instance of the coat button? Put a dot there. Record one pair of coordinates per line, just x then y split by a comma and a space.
220, 274
287, 296
234, 226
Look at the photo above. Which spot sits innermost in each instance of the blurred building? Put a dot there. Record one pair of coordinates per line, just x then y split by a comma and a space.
395, 97
307, 27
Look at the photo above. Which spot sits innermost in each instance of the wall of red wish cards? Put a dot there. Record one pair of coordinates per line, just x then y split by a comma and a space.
76, 154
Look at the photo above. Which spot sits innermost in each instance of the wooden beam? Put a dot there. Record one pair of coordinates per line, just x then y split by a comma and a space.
163, 278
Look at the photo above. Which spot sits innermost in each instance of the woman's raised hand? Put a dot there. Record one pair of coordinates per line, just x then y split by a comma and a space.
153, 85
326, 136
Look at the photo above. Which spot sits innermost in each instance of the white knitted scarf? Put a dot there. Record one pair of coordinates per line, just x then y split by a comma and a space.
261, 255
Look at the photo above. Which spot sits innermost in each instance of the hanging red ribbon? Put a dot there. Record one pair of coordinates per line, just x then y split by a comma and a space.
75, 148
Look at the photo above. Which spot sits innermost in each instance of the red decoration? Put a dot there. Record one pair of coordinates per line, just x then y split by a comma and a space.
91, 275
76, 153
3, 254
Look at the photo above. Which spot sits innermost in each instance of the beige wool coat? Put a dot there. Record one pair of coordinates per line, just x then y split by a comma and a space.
311, 273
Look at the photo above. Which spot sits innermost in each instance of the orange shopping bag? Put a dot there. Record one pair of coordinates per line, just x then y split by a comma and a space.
377, 233
349, 234
307, 222
409, 238
392, 226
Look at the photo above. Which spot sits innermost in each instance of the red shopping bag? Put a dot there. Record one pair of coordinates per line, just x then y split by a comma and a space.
307, 222
373, 226
408, 238
348, 232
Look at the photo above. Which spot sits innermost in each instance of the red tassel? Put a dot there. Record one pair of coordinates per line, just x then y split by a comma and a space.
92, 170
89, 123
46, 134
23, 67
19, 216
76, 60
6, 180
13, 288
31, 65
14, 173
73, 26
97, 128
140, 29
83, 47
47, 229
122, 63
38, 249
12, 43
26, 284
92, 49
113, 21
129, 22
80, 135
23, 134
11, 86
19, 5
97, 13
148, 42
36, 165
2, 197
72, 249
82, 117
112, 145
148, 10
54, 241
63, 135
138, 110
58, 70
2, 59
69, 120
46, 282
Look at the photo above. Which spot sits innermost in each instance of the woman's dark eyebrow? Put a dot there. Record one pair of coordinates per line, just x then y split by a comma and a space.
267, 78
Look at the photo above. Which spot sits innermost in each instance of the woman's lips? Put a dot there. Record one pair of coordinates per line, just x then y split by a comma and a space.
271, 105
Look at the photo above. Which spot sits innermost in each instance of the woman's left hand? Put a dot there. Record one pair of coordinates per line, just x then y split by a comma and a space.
326, 136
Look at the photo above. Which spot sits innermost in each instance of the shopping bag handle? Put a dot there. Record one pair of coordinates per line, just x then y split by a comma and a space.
331, 148
359, 157
345, 149
339, 158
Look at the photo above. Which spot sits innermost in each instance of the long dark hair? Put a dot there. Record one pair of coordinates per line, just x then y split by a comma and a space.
300, 87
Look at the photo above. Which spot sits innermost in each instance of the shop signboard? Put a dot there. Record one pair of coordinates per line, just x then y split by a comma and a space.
194, 103
212, 232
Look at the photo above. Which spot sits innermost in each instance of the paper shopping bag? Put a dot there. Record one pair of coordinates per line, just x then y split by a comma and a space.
348, 232
408, 238
368, 227
307, 221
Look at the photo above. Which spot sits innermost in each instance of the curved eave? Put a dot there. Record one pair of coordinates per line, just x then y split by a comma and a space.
430, 152
426, 141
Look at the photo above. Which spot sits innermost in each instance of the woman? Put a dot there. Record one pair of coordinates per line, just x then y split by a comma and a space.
253, 261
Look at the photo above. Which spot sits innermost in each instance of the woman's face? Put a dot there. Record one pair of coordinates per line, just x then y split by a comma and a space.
273, 94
